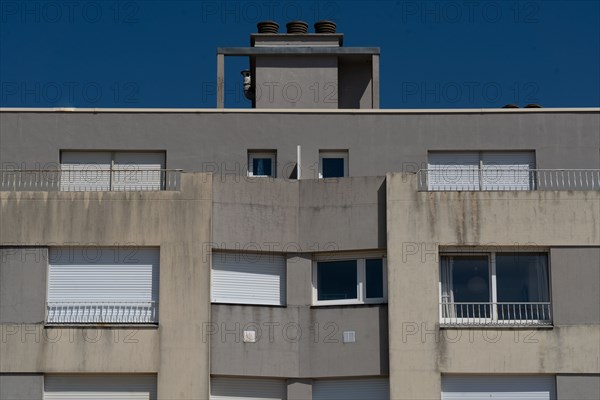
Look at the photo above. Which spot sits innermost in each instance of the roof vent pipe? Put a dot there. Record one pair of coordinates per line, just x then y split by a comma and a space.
533, 105
297, 27
268, 27
511, 106
325, 27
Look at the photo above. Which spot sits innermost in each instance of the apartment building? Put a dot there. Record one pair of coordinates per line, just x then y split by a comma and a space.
311, 247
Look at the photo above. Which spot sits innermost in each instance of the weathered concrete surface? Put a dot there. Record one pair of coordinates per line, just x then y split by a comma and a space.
298, 341
178, 222
23, 284
295, 217
578, 387
21, 386
419, 223
299, 389
576, 285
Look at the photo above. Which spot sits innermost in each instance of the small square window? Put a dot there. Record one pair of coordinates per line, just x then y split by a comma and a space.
333, 164
337, 280
262, 163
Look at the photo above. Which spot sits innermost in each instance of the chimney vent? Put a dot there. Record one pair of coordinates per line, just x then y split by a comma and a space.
268, 27
325, 27
297, 27
533, 105
511, 106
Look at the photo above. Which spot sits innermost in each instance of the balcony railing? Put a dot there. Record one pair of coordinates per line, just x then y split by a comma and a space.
496, 314
90, 180
102, 312
502, 179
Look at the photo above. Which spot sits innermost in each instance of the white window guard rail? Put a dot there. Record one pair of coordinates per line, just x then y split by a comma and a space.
102, 312
90, 180
497, 179
495, 314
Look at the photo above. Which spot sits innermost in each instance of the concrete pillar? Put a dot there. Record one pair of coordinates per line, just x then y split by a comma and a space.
299, 389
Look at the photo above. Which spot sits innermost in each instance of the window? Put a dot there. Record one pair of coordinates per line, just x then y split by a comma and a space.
93, 285
500, 387
484, 170
349, 281
333, 164
498, 288
248, 278
262, 163
112, 170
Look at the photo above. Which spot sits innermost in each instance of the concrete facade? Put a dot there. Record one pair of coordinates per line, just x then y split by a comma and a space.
578, 387
421, 225
21, 386
179, 223
23, 285
379, 210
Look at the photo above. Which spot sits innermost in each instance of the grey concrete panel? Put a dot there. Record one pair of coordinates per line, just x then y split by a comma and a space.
299, 389
299, 272
298, 342
578, 387
23, 273
377, 143
355, 75
21, 386
575, 276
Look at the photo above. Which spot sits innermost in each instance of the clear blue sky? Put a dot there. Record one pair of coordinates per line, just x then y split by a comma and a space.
434, 54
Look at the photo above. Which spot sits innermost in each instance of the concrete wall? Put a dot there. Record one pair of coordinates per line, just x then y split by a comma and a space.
178, 222
21, 386
296, 82
377, 142
355, 80
306, 216
299, 389
578, 387
419, 223
297, 341
23, 284
575, 285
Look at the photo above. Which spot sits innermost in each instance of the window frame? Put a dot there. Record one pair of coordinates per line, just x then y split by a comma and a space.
271, 154
491, 255
344, 154
361, 286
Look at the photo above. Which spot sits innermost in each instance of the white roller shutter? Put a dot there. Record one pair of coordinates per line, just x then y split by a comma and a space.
453, 171
478, 387
508, 170
101, 386
244, 278
85, 171
351, 389
89, 285
225, 388
138, 170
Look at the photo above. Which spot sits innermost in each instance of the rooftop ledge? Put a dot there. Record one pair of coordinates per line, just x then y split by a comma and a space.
303, 111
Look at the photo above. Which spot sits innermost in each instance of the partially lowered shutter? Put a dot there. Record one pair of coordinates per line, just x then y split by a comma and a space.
103, 285
226, 388
245, 278
138, 170
101, 386
351, 389
508, 170
453, 171
479, 387
85, 170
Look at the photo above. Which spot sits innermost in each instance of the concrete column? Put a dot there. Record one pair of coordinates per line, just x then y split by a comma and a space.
299, 389
577, 387
21, 386
299, 278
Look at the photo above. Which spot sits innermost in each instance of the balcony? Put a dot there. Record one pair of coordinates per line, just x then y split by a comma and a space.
490, 314
102, 313
505, 179
91, 180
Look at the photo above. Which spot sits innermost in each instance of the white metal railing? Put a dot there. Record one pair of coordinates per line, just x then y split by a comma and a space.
90, 180
491, 178
495, 314
100, 312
